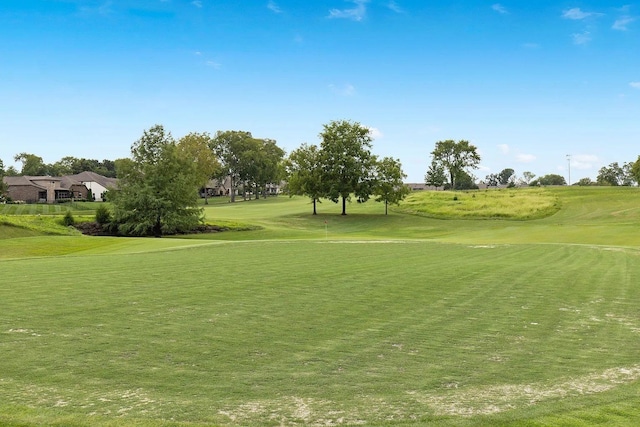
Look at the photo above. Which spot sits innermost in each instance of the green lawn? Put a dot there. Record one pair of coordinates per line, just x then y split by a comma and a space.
403, 319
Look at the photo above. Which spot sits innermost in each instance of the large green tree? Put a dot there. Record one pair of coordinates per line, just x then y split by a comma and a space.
3, 186
304, 173
347, 161
389, 184
32, 165
158, 189
456, 158
231, 149
198, 147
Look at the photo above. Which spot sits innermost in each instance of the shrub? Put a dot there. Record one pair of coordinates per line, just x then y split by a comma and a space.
103, 215
68, 219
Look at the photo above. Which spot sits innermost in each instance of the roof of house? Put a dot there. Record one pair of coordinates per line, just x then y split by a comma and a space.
94, 177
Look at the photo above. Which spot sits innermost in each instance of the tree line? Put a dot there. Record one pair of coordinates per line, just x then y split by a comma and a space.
158, 185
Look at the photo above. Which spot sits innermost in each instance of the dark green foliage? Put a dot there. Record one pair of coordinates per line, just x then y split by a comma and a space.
103, 215
158, 189
68, 219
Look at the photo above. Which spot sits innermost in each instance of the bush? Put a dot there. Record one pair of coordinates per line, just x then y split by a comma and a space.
68, 219
103, 215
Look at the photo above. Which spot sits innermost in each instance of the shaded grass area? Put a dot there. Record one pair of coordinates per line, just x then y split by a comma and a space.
271, 333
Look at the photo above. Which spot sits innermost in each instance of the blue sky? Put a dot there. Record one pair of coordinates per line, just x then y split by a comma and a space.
527, 82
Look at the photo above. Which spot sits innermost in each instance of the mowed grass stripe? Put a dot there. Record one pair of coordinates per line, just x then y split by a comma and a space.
252, 333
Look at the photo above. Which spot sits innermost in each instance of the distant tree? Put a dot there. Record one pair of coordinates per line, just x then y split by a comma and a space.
455, 158
389, 184
465, 181
584, 182
269, 165
347, 161
550, 179
506, 176
635, 170
614, 175
3, 186
492, 180
435, 175
198, 147
231, 148
527, 177
304, 173
158, 189
32, 165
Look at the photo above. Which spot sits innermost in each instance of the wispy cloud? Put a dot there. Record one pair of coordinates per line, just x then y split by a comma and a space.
583, 161
213, 64
504, 148
525, 158
395, 7
272, 6
499, 8
581, 38
531, 45
356, 13
375, 133
621, 24
578, 14
103, 9
197, 3
635, 85
344, 90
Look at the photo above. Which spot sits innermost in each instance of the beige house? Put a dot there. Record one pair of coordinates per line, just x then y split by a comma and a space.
96, 183
44, 189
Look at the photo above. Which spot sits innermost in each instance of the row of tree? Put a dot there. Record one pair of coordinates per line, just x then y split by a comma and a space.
33, 165
158, 186
344, 166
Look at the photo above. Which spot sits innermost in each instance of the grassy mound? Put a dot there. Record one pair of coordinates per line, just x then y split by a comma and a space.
517, 204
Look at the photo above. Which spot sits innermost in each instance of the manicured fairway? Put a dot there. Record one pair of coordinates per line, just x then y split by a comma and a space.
321, 332
398, 320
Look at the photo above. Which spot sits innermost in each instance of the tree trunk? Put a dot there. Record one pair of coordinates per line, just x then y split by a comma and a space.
344, 205
385, 207
233, 190
314, 207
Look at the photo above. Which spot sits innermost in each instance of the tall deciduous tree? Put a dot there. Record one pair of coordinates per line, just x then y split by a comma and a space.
304, 173
506, 175
3, 186
388, 182
158, 189
456, 158
347, 161
198, 147
230, 148
32, 165
270, 165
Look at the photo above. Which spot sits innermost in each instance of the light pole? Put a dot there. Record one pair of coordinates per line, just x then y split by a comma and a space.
569, 163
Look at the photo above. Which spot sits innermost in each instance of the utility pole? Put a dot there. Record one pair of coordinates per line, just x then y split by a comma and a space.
569, 162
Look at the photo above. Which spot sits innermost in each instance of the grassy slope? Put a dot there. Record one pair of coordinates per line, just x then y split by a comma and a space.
488, 331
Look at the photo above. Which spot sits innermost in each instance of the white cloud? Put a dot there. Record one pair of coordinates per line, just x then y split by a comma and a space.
197, 3
213, 64
356, 14
525, 158
577, 14
583, 161
635, 85
499, 8
345, 90
531, 45
504, 148
375, 133
272, 6
621, 24
581, 38
395, 7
